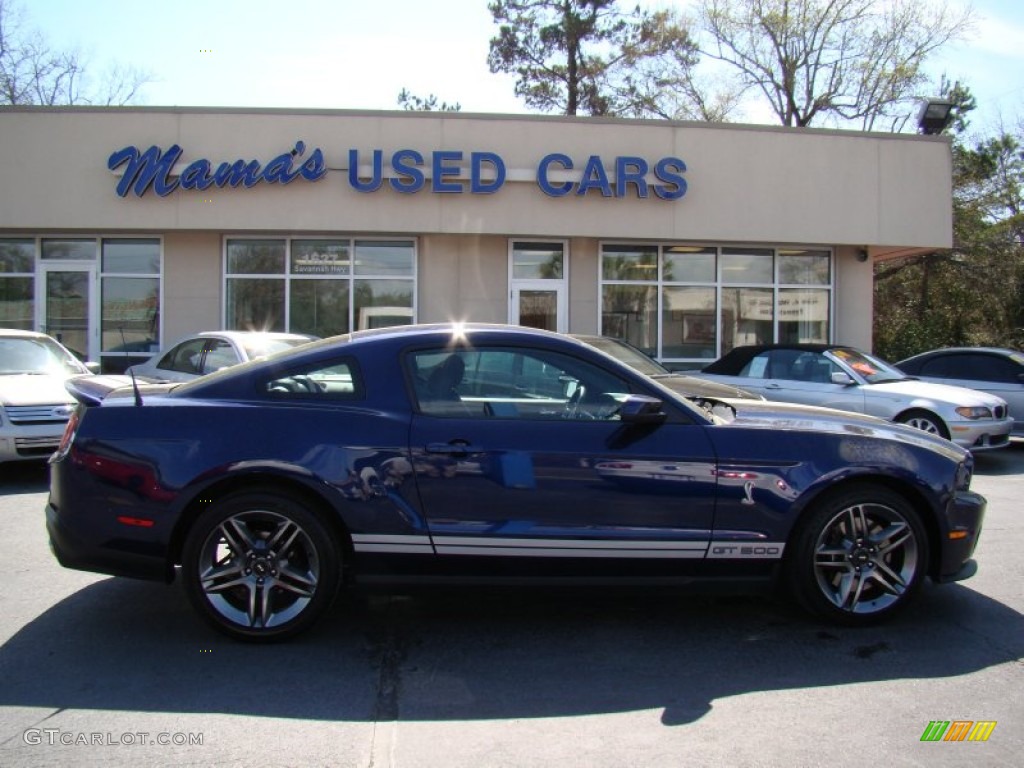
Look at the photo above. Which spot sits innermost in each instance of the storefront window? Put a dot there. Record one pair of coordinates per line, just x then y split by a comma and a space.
255, 304
630, 312
69, 250
17, 283
129, 301
687, 304
747, 317
537, 261
323, 287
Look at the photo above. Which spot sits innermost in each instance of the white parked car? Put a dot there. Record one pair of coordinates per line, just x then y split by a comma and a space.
845, 378
209, 351
34, 405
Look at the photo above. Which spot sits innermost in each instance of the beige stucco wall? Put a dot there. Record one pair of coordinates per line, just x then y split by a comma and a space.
854, 299
192, 284
749, 184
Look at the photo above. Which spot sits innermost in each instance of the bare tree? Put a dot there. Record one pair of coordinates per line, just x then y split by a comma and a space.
31, 72
843, 61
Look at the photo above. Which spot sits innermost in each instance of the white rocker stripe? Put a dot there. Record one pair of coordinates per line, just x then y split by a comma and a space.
389, 543
509, 547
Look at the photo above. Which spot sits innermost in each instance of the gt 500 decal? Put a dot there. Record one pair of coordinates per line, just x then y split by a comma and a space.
733, 550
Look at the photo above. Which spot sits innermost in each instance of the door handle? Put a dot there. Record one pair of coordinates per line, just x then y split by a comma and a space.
454, 448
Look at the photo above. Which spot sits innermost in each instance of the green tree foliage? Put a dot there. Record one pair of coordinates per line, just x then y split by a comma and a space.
31, 72
831, 61
974, 293
590, 57
411, 102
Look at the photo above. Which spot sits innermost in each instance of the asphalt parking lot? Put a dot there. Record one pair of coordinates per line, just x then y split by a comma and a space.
103, 671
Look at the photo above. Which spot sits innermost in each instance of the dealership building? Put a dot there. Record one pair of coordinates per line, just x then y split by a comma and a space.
123, 229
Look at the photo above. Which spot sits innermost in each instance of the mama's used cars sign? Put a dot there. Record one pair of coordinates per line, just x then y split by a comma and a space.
407, 171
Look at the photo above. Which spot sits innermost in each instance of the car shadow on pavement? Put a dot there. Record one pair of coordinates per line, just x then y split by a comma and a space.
483, 654
1004, 461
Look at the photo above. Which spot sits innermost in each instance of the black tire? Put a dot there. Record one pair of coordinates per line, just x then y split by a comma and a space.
925, 421
260, 566
860, 555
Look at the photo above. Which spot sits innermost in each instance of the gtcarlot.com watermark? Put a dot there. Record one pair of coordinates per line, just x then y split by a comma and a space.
56, 736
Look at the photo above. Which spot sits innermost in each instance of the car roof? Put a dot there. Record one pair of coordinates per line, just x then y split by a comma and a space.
737, 357
247, 334
18, 332
1004, 351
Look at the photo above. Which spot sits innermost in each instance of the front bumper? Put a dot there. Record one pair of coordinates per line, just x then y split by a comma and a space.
977, 436
965, 516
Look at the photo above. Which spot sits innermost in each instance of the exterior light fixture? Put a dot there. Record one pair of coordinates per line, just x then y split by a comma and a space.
935, 116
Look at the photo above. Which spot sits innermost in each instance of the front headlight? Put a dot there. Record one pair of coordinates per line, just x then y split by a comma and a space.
974, 412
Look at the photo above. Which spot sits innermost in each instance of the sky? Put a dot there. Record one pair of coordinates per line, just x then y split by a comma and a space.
359, 54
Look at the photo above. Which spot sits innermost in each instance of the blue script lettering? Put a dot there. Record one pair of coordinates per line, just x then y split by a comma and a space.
153, 169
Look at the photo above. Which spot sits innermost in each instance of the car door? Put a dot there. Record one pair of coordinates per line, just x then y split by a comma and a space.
805, 376
528, 462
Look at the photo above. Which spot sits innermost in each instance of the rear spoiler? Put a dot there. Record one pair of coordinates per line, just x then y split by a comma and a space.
93, 390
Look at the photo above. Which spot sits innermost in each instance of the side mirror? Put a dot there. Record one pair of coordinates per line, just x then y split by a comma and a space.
641, 409
841, 377
93, 367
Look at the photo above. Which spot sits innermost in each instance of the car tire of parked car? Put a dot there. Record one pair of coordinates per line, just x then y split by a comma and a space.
925, 421
860, 555
260, 566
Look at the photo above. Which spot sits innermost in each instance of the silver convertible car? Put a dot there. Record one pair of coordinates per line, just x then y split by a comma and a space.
848, 379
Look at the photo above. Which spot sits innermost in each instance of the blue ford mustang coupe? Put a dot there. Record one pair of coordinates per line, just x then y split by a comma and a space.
495, 454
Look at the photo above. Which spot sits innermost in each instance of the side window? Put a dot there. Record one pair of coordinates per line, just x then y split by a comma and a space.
757, 368
337, 380
811, 367
185, 358
219, 354
970, 367
513, 383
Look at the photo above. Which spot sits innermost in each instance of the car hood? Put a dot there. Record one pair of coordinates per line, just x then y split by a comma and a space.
33, 389
782, 416
943, 393
691, 386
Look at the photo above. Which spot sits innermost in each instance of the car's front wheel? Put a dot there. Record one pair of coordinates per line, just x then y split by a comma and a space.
926, 422
260, 566
859, 556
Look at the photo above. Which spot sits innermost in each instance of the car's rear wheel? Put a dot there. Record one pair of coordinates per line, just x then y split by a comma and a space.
926, 422
860, 555
260, 566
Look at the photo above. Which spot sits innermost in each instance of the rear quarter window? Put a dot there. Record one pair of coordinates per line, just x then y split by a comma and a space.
336, 380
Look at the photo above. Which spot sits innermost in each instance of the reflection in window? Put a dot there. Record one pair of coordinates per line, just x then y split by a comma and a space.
537, 261
682, 303
129, 301
17, 283
73, 250
747, 265
630, 312
319, 286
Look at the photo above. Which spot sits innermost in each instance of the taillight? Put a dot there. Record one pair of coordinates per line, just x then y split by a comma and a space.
69, 433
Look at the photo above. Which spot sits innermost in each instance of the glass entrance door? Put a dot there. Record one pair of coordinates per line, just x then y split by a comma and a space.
68, 307
539, 305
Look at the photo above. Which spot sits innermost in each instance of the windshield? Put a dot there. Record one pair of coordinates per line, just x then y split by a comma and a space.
628, 354
37, 355
875, 371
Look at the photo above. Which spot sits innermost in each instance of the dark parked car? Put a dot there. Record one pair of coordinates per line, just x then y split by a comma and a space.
691, 387
434, 454
997, 371
837, 376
